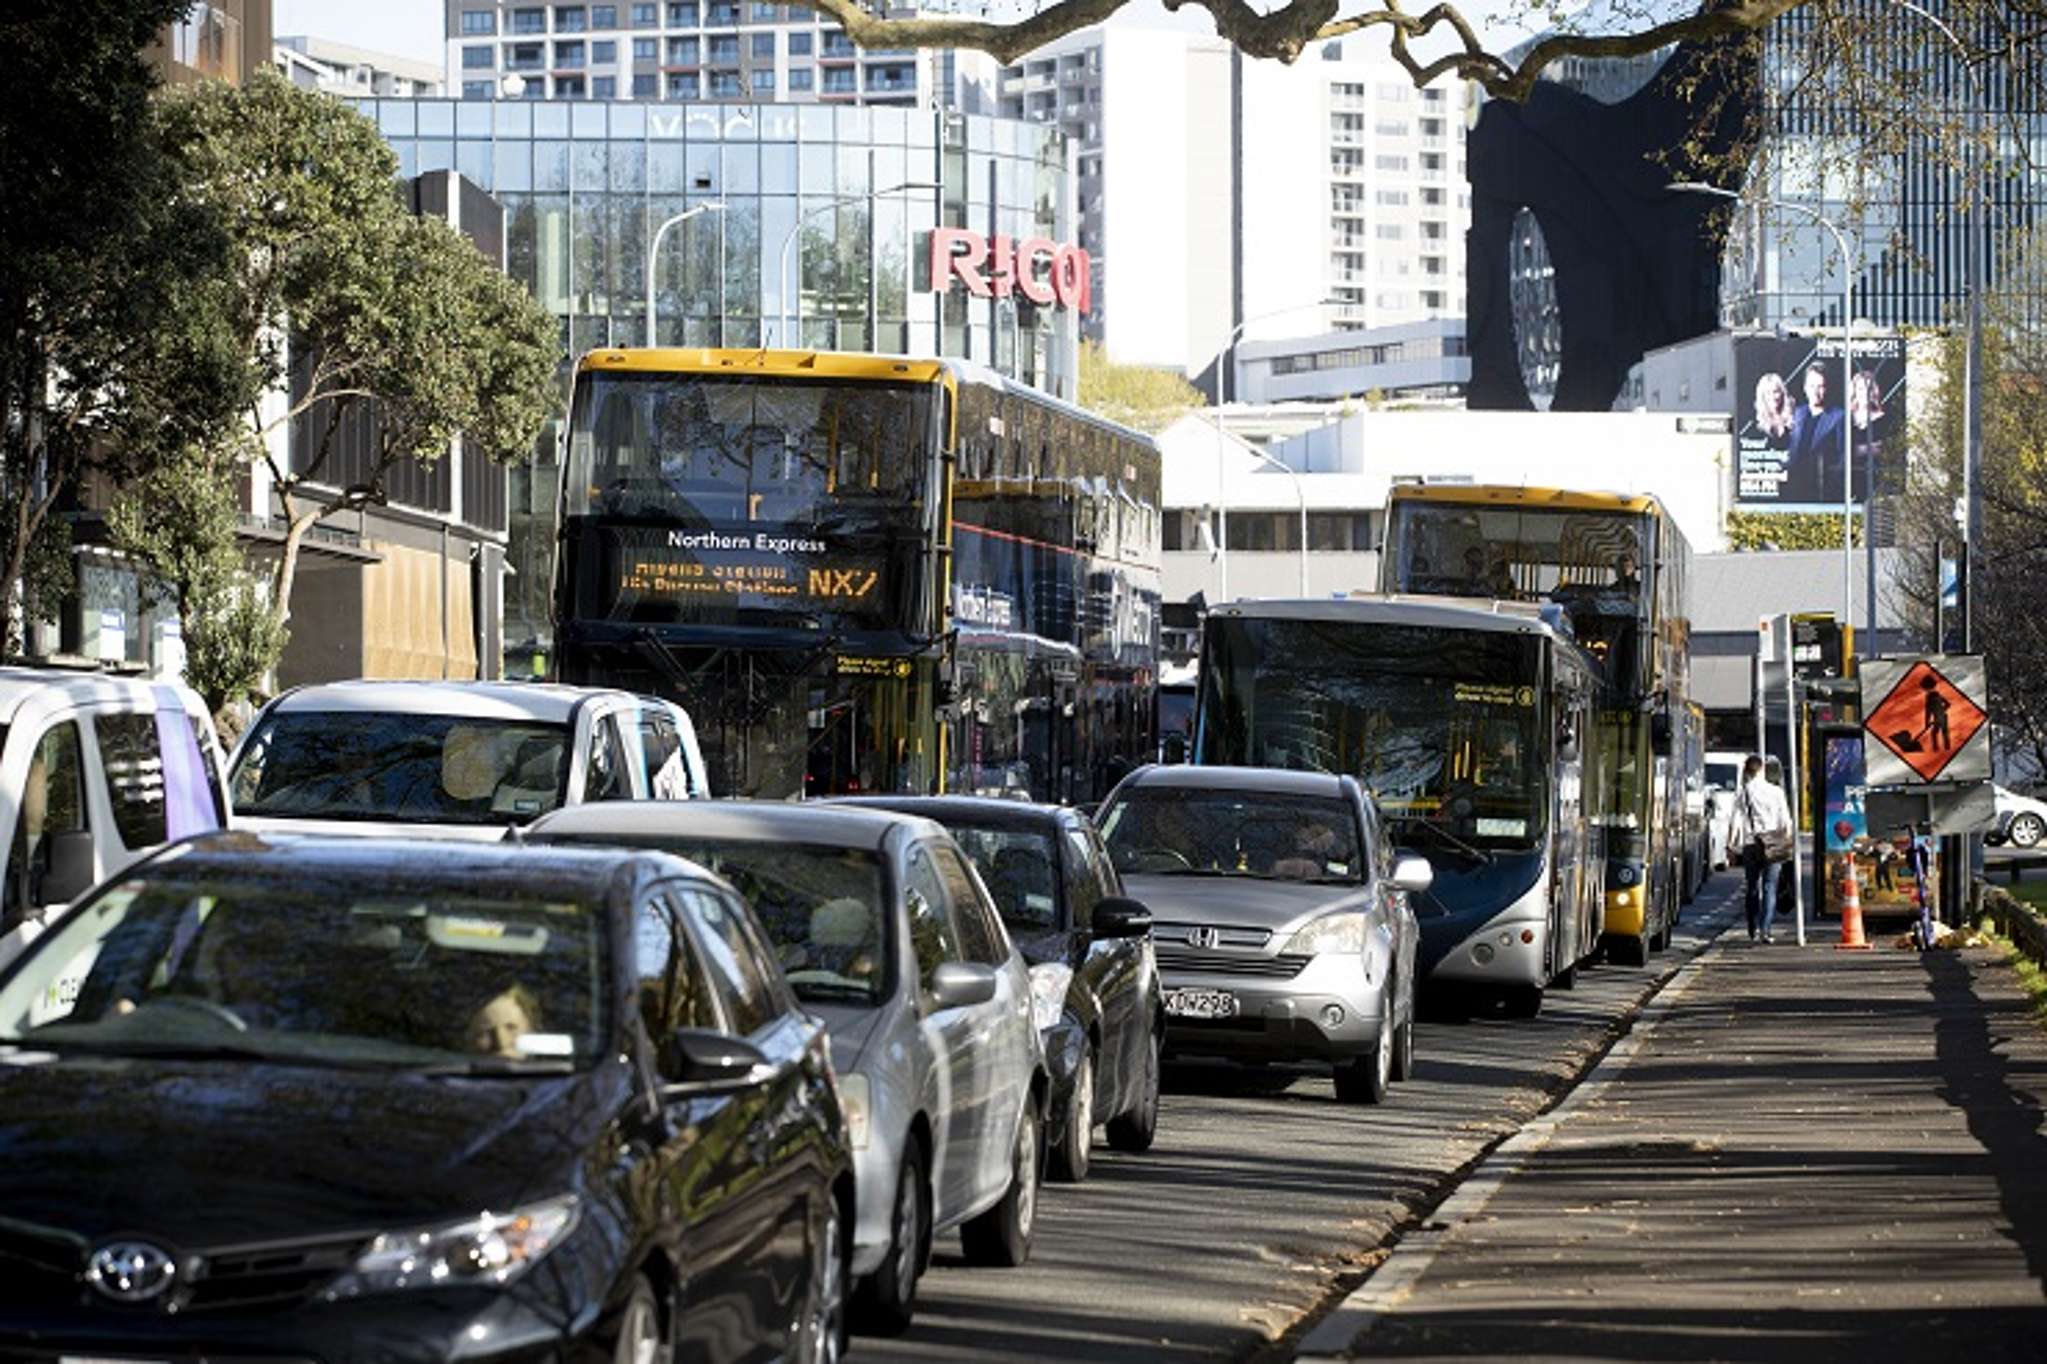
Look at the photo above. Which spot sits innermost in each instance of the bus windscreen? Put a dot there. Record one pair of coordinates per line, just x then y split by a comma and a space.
1445, 727
1591, 562
705, 499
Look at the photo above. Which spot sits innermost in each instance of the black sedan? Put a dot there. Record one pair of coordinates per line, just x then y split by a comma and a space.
1094, 983
349, 1099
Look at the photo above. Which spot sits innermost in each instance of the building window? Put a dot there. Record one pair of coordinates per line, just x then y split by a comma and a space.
603, 54
683, 15
479, 59
1390, 163
644, 85
604, 16
644, 49
570, 87
1432, 197
604, 87
569, 18
766, 12
646, 16
526, 57
1392, 127
725, 49
479, 21
1390, 196
799, 78
724, 14
478, 89
725, 85
840, 83
1390, 232
764, 46
568, 56
529, 21
764, 82
1432, 161
837, 44
535, 89
682, 86
682, 52
799, 44
1431, 299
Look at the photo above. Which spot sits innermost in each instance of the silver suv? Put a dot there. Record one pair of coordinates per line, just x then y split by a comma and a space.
1280, 916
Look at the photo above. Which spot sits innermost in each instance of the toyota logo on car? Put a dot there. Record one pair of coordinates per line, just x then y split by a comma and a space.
131, 1271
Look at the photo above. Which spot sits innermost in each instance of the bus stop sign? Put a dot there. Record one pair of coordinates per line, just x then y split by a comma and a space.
1927, 722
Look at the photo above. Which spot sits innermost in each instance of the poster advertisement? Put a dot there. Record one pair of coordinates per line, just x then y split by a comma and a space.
1882, 873
1793, 403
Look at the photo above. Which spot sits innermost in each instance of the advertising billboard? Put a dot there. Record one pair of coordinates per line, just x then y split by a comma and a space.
1792, 401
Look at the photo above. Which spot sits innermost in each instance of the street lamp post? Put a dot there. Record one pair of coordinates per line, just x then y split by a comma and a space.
1222, 497
654, 253
789, 239
1847, 384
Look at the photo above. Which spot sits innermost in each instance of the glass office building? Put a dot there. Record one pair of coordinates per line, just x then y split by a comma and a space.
819, 243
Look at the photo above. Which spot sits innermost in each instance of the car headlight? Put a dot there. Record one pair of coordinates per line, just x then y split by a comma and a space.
487, 1251
1049, 983
856, 1099
1342, 932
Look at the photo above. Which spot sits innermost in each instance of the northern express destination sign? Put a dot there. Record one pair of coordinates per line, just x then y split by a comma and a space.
707, 574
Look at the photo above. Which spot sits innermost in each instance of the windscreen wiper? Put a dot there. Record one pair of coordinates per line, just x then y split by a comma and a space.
1472, 849
497, 1065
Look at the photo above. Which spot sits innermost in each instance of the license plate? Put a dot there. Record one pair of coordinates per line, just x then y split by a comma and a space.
1201, 1004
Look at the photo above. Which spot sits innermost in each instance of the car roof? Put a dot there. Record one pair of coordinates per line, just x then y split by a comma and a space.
735, 821
1275, 780
545, 701
973, 811
61, 687
417, 864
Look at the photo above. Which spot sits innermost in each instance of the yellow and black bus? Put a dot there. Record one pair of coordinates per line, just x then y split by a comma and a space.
863, 573
1620, 570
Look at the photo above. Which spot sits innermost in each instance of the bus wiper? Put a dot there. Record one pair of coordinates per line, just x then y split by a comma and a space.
1470, 849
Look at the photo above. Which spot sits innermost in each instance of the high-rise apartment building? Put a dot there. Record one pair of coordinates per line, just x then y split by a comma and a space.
716, 50
1217, 192
339, 69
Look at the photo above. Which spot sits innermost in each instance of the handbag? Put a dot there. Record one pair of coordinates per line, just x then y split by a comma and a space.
1777, 844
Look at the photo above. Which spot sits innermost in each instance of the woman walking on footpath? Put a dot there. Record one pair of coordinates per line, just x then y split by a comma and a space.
1759, 829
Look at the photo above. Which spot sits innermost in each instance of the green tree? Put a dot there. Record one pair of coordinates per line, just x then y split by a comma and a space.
1135, 395
104, 369
392, 320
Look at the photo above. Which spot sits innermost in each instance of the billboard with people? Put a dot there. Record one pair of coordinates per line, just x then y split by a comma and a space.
1792, 404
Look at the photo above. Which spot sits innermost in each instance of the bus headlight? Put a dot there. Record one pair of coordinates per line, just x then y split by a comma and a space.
1049, 983
1341, 932
1627, 899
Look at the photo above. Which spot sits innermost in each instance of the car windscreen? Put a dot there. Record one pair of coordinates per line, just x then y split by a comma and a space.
1234, 833
1726, 775
822, 908
1021, 870
317, 972
409, 768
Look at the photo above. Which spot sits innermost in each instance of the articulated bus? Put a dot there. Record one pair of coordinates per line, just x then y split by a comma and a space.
1467, 722
862, 573
1620, 568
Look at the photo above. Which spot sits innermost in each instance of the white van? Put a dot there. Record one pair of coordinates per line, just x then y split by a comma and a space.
455, 759
95, 772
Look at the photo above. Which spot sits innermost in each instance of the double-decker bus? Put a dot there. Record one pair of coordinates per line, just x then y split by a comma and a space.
1621, 569
1469, 723
863, 573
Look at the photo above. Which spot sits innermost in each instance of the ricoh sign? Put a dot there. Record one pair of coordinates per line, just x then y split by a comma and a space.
1048, 273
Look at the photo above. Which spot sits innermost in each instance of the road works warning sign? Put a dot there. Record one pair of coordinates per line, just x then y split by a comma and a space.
1925, 720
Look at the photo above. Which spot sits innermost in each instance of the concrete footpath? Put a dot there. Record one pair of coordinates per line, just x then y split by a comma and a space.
1797, 1154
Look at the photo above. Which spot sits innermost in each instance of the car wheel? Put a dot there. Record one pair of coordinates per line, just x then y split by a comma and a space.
1403, 1051
1135, 1131
888, 1297
824, 1318
2027, 829
1366, 1079
1002, 1235
639, 1329
1523, 1001
1068, 1157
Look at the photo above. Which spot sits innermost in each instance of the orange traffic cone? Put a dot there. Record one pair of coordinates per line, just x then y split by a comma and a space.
1851, 912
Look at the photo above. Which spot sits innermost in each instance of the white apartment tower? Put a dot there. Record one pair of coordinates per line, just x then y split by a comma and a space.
713, 50
1217, 192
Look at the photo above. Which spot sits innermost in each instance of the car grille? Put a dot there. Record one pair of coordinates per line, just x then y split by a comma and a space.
1231, 964
268, 1276
1229, 939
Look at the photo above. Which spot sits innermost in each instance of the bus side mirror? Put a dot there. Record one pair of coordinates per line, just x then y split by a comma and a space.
1660, 730
1567, 743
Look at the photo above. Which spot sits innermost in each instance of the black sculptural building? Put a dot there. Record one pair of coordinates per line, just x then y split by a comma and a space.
1579, 259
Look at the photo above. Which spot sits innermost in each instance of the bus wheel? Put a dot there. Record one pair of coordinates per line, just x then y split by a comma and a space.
1566, 979
1630, 951
1523, 1001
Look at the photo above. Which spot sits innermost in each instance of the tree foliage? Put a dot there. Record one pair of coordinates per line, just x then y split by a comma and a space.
104, 369
1137, 396
2010, 626
361, 311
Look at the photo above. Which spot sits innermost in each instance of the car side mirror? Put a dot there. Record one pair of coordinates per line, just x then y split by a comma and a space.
1412, 873
1116, 917
960, 985
70, 872
702, 1061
